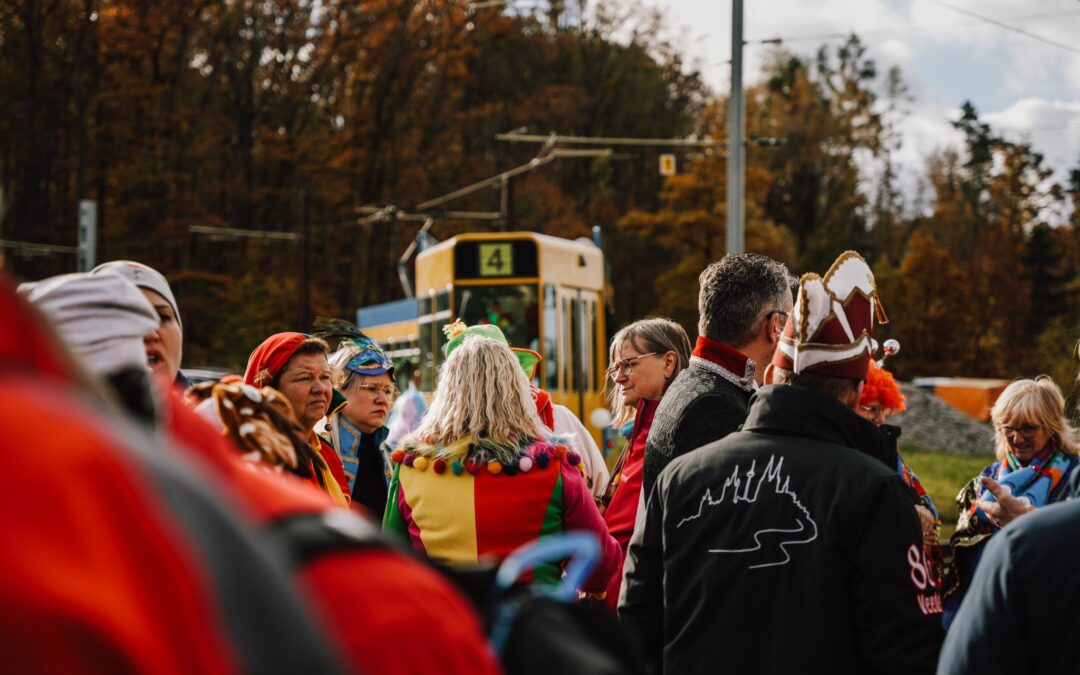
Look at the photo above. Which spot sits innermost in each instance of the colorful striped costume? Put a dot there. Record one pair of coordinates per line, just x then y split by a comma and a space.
462, 510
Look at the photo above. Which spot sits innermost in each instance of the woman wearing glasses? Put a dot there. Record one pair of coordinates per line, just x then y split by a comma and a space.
880, 400
364, 374
1036, 455
645, 356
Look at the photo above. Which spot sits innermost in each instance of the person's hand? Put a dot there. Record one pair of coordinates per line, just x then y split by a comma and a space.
600, 505
1006, 509
926, 519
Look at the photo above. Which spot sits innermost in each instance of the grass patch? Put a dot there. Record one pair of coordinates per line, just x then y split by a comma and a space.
943, 475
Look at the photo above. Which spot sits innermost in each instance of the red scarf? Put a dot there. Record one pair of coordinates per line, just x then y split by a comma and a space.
270, 357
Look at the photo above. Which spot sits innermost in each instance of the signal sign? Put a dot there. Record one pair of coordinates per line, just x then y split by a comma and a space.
667, 165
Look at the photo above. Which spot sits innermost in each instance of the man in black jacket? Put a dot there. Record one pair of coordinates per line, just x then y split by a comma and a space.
743, 303
785, 547
1019, 614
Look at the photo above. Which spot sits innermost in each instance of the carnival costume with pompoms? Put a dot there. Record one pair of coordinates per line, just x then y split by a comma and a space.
463, 502
474, 498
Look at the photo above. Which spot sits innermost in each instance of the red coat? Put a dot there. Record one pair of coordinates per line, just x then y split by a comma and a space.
368, 598
621, 513
97, 575
98, 578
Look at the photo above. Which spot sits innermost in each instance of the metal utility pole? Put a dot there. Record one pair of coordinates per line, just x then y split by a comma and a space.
736, 156
86, 257
305, 264
506, 205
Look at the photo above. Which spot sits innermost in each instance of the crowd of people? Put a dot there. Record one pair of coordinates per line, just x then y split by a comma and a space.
306, 516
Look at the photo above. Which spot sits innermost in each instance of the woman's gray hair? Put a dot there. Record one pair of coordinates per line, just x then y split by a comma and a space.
1037, 401
652, 334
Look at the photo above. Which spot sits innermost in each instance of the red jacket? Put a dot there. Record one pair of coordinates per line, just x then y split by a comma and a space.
367, 597
97, 578
621, 513
104, 554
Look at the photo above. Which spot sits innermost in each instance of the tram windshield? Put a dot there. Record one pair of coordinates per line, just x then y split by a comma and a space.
513, 308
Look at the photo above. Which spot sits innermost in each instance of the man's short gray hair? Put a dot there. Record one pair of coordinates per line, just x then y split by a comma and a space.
737, 292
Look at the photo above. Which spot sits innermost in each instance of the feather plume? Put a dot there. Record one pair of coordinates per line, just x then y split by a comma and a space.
339, 330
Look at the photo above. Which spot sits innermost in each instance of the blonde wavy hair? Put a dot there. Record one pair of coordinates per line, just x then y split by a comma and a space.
1037, 401
482, 396
652, 334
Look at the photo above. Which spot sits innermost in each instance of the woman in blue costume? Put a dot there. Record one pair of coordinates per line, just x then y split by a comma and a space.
1036, 456
364, 374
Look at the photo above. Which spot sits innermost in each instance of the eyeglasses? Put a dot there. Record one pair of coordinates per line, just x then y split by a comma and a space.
626, 366
1025, 430
874, 411
777, 311
388, 390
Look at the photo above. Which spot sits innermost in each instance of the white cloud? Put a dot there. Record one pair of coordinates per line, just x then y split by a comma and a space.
895, 52
945, 56
1051, 126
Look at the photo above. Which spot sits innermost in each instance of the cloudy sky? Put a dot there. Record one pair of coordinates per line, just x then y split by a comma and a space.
1026, 87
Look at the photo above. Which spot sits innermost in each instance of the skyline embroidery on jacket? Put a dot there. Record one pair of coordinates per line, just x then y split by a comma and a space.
803, 522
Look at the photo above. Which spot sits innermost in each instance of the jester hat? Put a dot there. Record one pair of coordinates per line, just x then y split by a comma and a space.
831, 328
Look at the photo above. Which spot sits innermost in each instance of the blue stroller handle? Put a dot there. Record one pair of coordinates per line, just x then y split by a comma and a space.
580, 547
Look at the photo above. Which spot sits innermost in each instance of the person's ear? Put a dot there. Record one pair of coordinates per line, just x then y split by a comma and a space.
776, 327
767, 378
670, 360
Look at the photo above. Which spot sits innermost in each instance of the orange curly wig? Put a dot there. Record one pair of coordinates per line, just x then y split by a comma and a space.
880, 387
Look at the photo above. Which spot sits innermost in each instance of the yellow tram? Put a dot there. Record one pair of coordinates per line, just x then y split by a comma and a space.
546, 293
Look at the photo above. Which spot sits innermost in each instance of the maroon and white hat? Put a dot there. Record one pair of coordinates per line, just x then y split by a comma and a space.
831, 328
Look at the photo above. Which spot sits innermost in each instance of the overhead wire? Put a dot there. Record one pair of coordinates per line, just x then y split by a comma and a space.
913, 28
1005, 26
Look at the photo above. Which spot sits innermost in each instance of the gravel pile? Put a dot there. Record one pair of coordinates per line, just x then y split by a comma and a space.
933, 425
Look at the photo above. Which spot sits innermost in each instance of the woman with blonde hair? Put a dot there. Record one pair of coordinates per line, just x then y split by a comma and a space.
1036, 456
645, 357
480, 476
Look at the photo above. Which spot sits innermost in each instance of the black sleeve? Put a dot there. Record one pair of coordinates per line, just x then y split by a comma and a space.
707, 419
641, 600
896, 606
984, 636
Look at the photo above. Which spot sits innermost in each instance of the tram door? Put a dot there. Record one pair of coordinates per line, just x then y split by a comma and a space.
579, 377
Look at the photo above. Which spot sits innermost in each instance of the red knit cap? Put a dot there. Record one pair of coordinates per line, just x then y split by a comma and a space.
271, 356
882, 389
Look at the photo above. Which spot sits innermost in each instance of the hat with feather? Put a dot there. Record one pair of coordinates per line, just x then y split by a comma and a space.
369, 360
831, 328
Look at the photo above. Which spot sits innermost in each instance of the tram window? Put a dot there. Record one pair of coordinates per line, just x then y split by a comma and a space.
576, 354
551, 339
567, 349
427, 356
440, 339
513, 308
441, 318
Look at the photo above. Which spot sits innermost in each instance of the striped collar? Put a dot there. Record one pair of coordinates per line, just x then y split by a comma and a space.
727, 362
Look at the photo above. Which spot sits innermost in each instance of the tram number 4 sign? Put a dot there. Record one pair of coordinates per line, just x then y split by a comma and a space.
496, 260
